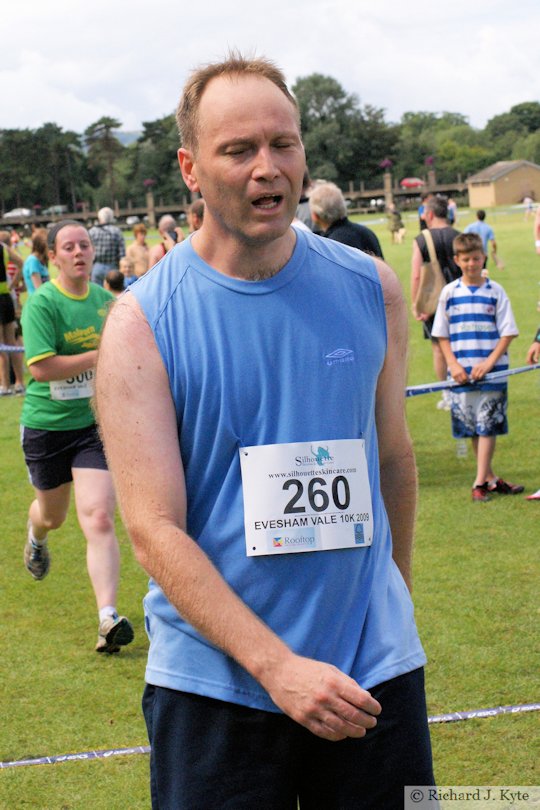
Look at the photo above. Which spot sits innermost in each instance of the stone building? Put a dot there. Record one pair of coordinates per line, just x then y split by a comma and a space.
504, 183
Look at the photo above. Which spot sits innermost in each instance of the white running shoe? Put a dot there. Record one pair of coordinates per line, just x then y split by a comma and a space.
114, 632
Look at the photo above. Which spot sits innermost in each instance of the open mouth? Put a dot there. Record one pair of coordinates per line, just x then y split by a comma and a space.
267, 203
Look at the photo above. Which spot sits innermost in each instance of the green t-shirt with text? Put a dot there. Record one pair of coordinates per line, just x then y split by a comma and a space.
56, 322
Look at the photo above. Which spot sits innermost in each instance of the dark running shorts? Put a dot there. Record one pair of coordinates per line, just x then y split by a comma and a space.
7, 310
50, 455
209, 754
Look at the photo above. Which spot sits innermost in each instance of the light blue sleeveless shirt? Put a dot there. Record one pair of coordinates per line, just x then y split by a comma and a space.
290, 359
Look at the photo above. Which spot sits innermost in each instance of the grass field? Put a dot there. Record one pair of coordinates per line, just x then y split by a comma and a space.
476, 596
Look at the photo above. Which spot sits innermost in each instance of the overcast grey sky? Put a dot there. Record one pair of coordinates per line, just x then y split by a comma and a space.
72, 63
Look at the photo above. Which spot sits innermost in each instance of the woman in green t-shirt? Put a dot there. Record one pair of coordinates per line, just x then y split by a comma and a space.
62, 322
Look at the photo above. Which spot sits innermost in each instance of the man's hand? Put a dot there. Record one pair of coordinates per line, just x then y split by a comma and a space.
321, 698
419, 316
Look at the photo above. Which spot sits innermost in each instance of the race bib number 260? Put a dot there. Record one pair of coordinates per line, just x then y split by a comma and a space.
306, 496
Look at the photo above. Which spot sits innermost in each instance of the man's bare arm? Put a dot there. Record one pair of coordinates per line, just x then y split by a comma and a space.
398, 468
149, 478
416, 268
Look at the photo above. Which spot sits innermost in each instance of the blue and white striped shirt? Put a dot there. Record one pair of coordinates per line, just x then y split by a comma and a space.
474, 319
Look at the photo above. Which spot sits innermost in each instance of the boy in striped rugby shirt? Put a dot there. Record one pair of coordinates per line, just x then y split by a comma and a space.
475, 325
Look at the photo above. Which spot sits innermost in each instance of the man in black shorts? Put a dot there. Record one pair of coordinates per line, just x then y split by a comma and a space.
274, 680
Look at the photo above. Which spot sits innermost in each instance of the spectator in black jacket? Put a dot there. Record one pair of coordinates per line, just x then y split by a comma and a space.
329, 213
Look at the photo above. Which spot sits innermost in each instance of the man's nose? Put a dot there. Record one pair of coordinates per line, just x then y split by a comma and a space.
265, 165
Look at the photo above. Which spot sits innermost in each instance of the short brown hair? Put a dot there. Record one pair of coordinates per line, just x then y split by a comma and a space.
467, 243
140, 227
187, 113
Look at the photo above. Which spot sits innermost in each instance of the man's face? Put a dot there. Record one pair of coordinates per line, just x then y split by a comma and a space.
250, 160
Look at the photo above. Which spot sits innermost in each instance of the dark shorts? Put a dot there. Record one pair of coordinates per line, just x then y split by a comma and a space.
50, 455
427, 326
214, 755
7, 310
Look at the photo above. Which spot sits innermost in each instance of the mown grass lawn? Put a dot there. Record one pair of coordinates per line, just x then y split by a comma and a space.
476, 596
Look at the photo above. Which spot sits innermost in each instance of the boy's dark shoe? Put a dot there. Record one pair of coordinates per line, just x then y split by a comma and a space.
505, 488
480, 493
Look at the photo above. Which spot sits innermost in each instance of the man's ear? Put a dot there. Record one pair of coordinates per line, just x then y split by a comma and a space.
187, 167
315, 218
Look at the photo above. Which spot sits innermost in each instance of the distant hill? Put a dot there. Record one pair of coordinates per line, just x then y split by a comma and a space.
126, 138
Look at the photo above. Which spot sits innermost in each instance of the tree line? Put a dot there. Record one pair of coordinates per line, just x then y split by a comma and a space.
345, 141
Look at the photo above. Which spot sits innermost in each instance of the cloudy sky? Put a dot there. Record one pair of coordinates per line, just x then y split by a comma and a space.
73, 62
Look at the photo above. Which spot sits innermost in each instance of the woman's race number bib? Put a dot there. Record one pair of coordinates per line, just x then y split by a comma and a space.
306, 496
78, 387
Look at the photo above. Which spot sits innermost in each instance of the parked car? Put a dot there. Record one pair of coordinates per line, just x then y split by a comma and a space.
18, 212
55, 209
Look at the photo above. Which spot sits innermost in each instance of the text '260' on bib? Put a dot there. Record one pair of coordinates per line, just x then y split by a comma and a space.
306, 496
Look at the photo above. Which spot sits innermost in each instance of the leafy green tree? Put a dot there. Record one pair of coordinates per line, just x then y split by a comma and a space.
502, 125
153, 157
527, 148
326, 111
41, 167
343, 141
455, 158
416, 142
501, 133
18, 181
528, 114
441, 135
104, 149
61, 166
375, 140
